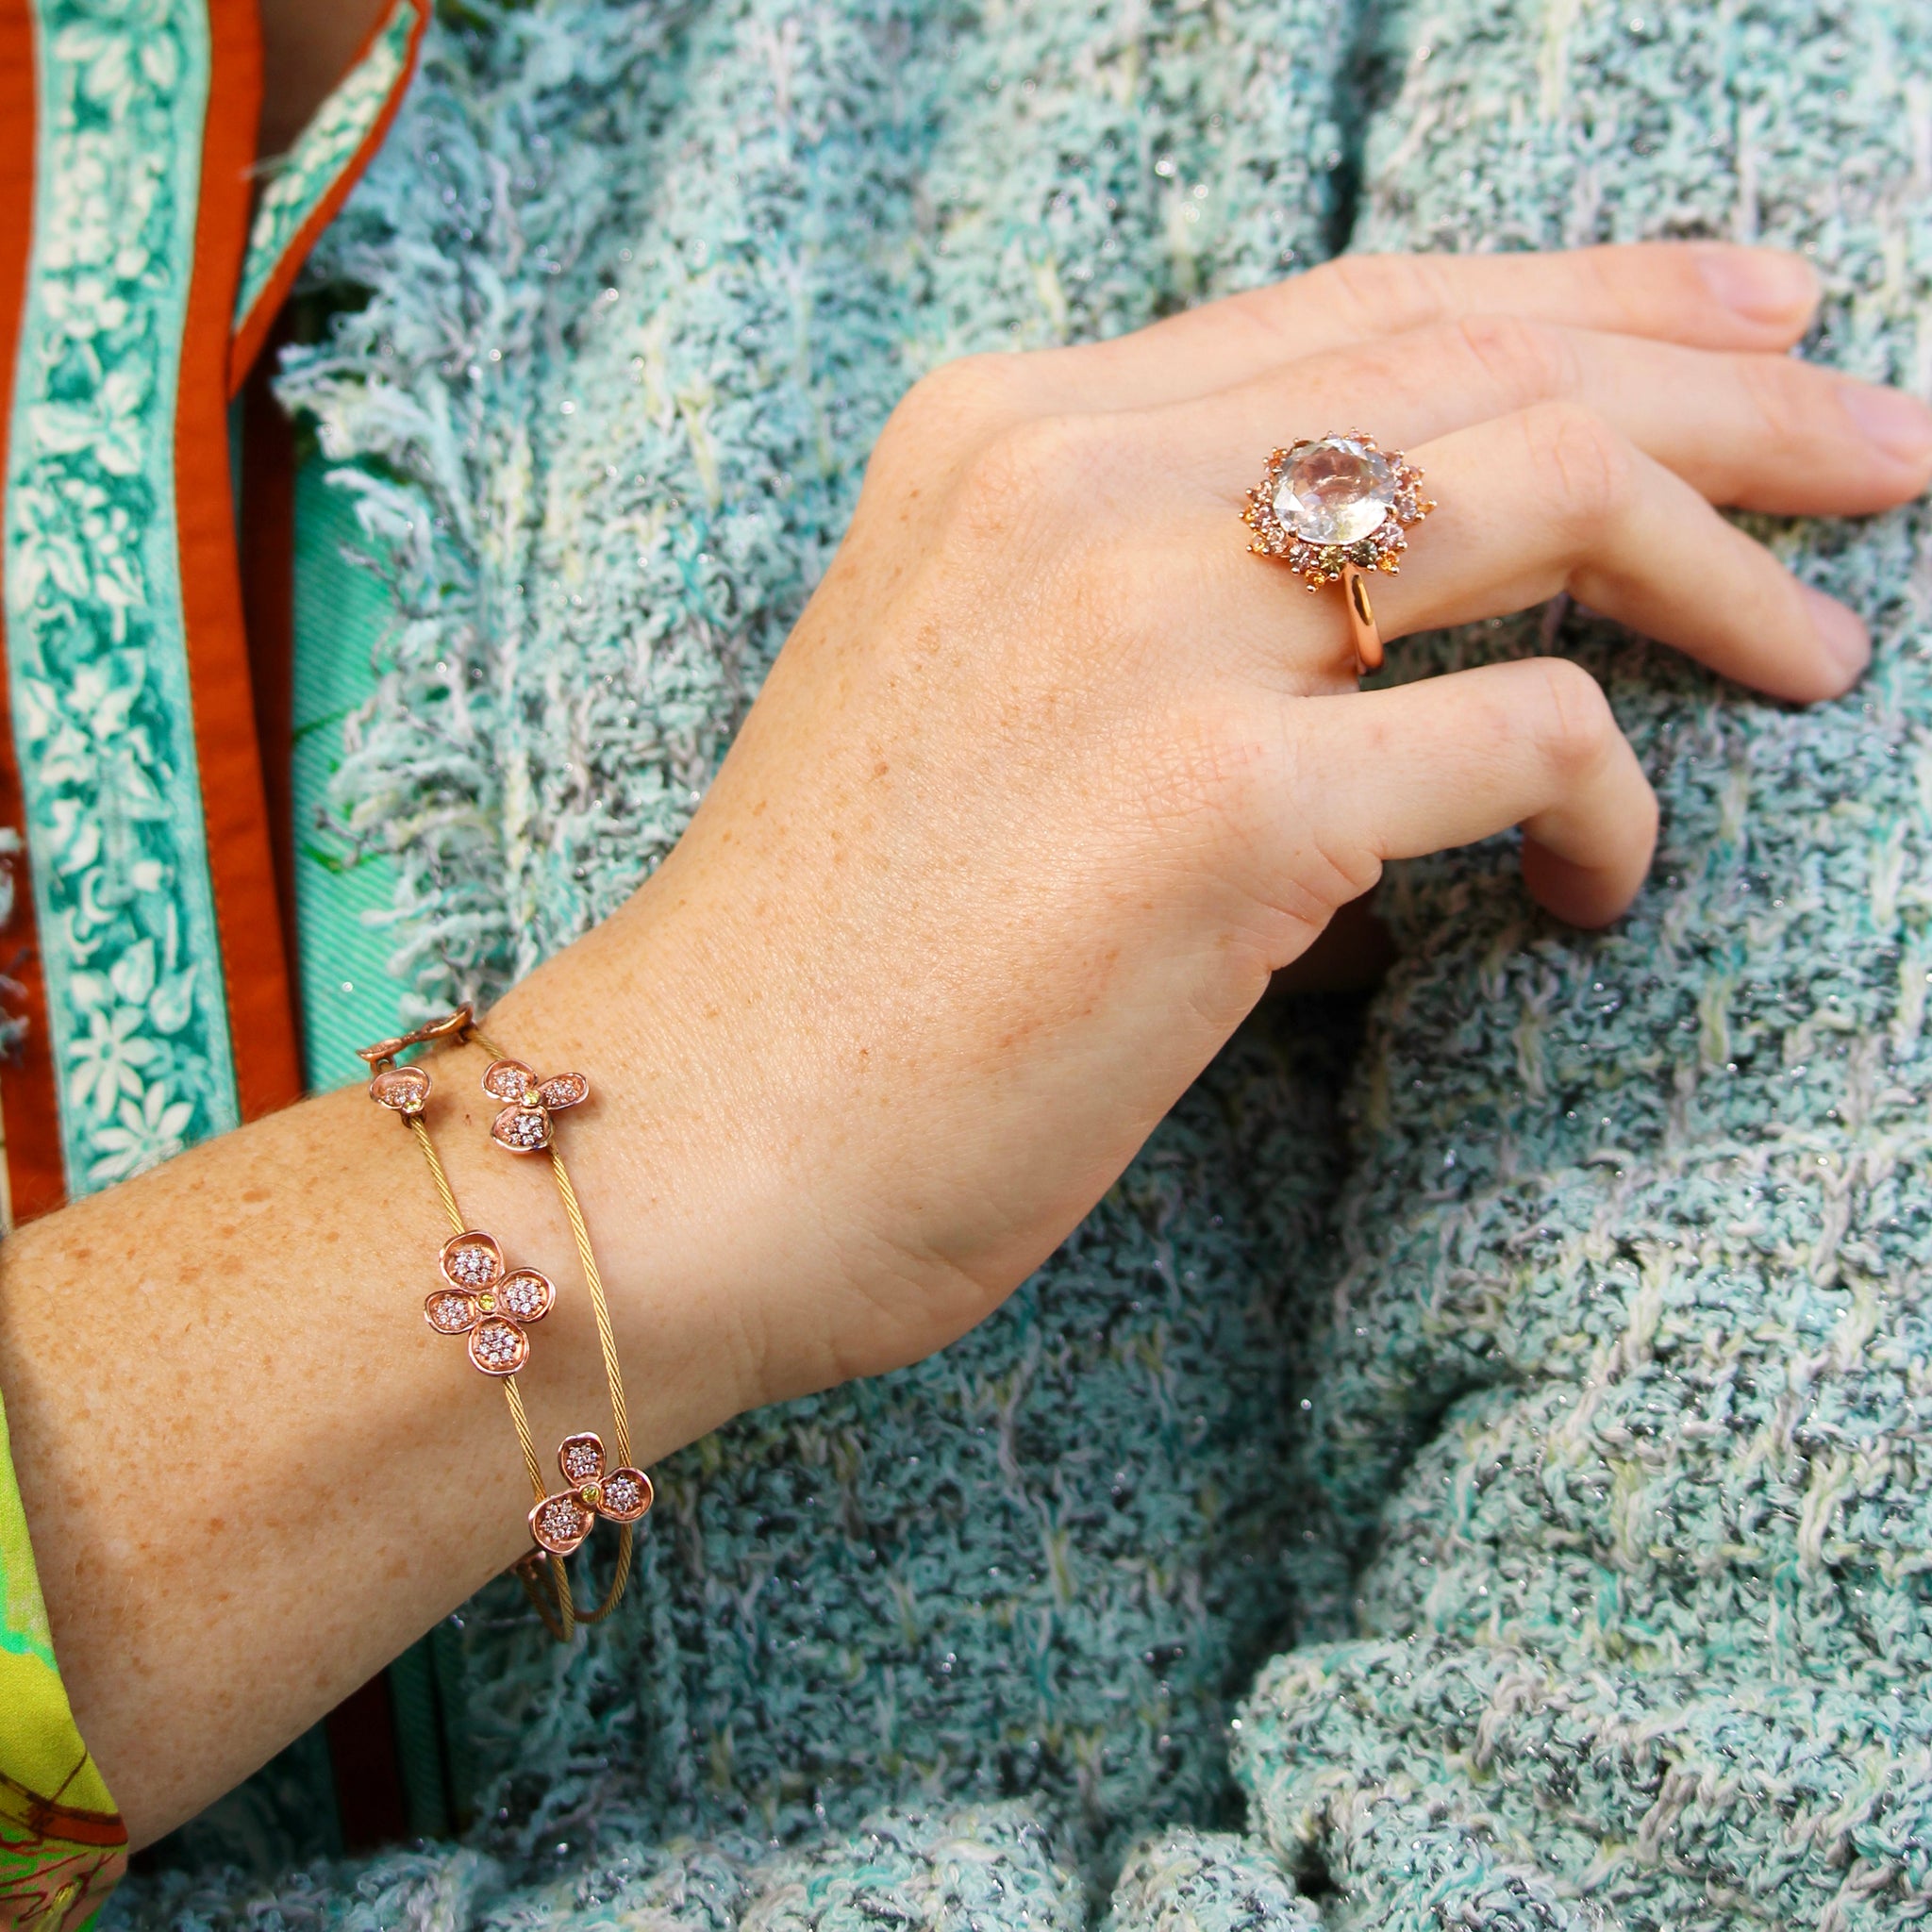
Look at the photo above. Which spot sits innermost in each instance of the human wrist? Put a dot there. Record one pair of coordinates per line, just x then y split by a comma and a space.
675, 1198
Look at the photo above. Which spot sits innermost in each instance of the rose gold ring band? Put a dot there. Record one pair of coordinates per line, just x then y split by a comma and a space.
1361, 621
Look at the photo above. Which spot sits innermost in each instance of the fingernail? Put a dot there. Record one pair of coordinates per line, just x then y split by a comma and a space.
1762, 283
1841, 631
1898, 424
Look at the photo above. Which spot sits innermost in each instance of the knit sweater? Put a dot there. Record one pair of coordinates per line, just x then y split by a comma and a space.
1535, 1369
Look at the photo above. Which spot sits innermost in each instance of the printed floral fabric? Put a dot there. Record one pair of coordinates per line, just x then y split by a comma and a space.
95, 643
62, 1844
101, 712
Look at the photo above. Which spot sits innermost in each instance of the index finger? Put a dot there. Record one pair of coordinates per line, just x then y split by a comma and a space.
1702, 294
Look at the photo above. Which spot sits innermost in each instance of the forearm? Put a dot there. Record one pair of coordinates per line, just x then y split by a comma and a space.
252, 1472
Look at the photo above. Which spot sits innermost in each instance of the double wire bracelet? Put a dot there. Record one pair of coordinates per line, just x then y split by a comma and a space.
494, 1307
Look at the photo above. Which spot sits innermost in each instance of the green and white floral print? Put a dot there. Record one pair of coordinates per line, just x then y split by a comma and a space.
96, 645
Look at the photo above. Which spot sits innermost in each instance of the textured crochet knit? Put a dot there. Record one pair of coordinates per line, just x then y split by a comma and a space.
1542, 1375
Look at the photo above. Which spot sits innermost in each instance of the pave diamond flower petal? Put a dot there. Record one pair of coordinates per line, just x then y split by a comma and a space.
452, 1310
524, 1124
472, 1261
626, 1495
509, 1080
402, 1090
559, 1523
526, 1295
498, 1347
581, 1458
522, 1129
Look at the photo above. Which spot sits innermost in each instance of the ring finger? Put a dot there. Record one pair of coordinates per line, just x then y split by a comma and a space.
1555, 498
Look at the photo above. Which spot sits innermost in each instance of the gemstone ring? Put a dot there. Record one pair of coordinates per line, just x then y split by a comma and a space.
1333, 508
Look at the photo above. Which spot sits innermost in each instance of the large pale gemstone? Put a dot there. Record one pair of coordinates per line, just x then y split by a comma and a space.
1335, 490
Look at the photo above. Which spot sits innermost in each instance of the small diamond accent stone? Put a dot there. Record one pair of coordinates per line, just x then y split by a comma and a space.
1335, 489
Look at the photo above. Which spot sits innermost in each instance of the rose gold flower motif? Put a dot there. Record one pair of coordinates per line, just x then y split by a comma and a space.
402, 1090
523, 1126
488, 1306
562, 1522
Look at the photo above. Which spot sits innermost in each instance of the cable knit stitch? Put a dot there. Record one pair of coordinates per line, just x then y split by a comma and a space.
1601, 1525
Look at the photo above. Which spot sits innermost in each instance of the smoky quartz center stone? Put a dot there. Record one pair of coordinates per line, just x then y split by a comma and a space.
1334, 490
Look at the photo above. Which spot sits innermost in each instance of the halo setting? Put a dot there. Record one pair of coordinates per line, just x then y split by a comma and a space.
1331, 502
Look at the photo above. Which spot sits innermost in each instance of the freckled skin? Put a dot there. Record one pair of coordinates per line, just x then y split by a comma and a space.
1051, 777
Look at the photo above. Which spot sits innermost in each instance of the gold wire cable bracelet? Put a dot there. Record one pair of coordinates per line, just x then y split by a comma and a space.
525, 1124
494, 1307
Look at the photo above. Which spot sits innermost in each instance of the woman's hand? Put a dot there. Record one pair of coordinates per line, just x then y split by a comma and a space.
1050, 779
1053, 774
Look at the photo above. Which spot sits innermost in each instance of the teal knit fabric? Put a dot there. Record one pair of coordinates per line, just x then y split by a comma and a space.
1540, 1372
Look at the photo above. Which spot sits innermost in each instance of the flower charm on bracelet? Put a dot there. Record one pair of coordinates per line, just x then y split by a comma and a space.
488, 1306
1334, 501
523, 1126
562, 1522
402, 1090
406, 1090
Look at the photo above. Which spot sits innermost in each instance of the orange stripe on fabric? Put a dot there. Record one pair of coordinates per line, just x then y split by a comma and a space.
34, 1177
261, 319
267, 533
234, 803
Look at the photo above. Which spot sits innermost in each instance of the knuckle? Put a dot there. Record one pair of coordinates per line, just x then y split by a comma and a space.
1585, 468
947, 409
1772, 396
1573, 721
1526, 359
962, 390
1384, 294
1040, 465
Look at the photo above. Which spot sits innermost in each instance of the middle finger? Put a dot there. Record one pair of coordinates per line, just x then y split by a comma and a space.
1748, 431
